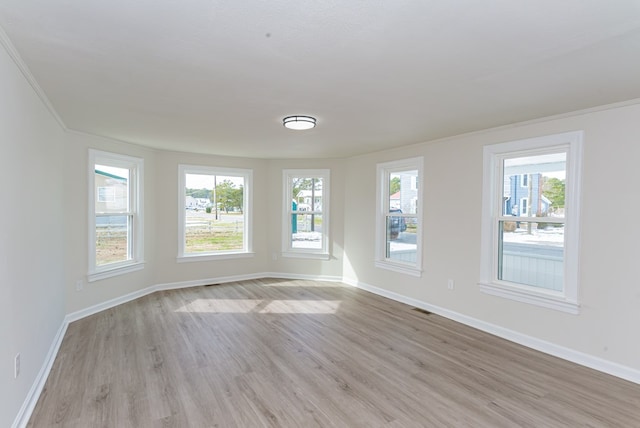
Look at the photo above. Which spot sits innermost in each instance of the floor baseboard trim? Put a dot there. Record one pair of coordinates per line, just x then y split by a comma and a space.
208, 281
22, 419
586, 360
590, 361
23, 416
282, 275
91, 310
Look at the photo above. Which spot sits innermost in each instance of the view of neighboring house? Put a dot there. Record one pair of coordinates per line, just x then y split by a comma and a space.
111, 197
523, 196
304, 199
192, 203
406, 199
202, 202
394, 201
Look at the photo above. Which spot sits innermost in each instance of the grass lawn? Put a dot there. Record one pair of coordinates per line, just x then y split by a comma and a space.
218, 239
204, 233
111, 246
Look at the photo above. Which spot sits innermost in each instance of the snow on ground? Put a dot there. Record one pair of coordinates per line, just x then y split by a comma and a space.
553, 236
306, 240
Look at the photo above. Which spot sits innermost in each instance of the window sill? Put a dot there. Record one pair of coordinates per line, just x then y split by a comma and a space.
115, 271
301, 255
396, 267
213, 257
525, 294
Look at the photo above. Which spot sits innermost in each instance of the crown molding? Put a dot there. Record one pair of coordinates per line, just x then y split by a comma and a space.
5, 41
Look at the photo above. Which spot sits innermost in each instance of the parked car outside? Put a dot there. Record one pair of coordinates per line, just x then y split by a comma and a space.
397, 225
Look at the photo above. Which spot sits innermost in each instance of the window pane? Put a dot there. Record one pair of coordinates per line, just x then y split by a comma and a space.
306, 193
214, 219
305, 222
401, 239
531, 253
112, 189
534, 186
403, 191
306, 231
205, 233
112, 239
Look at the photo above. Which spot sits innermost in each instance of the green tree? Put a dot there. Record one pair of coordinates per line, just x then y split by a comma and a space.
301, 184
553, 189
199, 193
237, 198
228, 196
394, 185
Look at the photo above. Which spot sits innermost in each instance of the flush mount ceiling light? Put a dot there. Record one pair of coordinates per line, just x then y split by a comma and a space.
299, 123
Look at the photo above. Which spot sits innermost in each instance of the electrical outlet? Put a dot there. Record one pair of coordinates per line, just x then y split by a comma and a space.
450, 284
16, 366
79, 285
274, 256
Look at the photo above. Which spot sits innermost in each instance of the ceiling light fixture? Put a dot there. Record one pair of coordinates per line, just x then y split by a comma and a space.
299, 123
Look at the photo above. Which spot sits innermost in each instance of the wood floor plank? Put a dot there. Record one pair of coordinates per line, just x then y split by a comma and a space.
291, 353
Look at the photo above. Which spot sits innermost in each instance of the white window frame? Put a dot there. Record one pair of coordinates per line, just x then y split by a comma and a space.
570, 143
288, 250
135, 252
247, 245
383, 174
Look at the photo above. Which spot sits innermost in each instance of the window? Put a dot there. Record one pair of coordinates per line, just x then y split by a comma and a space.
306, 213
398, 236
524, 206
106, 194
530, 233
214, 213
115, 214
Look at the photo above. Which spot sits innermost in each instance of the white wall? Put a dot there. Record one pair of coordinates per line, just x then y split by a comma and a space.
607, 325
43, 250
167, 269
76, 153
32, 292
161, 219
298, 266
161, 222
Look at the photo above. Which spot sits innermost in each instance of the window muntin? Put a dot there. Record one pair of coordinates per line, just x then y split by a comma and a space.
531, 242
214, 212
398, 238
530, 225
115, 226
114, 216
306, 222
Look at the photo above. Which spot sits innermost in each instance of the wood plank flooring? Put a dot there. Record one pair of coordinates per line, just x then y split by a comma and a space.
285, 353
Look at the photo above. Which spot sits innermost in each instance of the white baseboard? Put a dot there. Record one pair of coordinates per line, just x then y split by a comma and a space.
74, 316
208, 281
83, 313
596, 363
22, 419
282, 275
29, 404
583, 359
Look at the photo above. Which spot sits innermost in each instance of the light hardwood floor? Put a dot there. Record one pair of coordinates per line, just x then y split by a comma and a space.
284, 353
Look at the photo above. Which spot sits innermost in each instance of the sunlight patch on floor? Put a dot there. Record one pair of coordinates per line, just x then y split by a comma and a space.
261, 306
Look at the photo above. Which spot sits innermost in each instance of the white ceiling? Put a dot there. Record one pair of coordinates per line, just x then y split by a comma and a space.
214, 76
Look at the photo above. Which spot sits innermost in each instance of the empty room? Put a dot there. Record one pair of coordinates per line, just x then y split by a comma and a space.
323, 214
